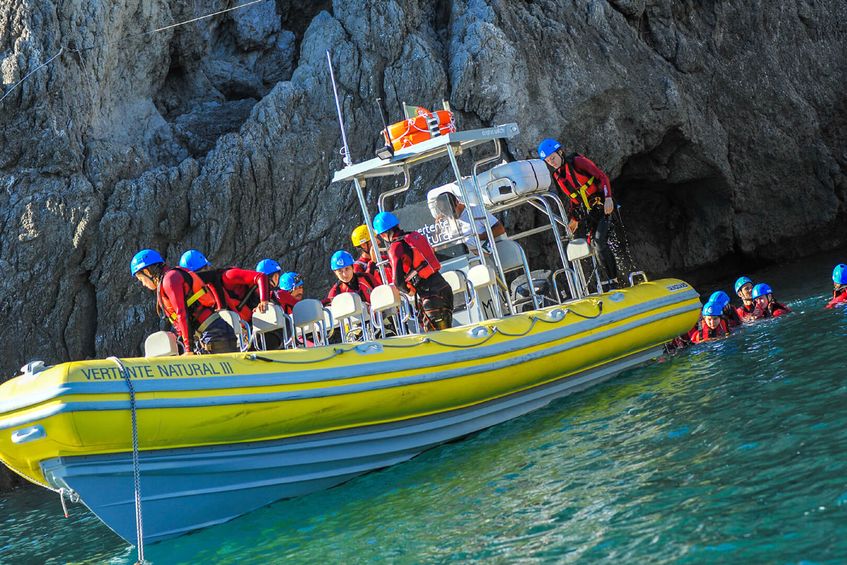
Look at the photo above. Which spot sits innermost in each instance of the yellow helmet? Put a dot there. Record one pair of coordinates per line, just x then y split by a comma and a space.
360, 235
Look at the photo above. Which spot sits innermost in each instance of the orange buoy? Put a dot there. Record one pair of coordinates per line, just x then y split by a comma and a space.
425, 125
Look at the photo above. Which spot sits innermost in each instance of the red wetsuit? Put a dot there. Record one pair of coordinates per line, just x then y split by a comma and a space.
701, 332
186, 301
839, 298
284, 299
239, 288
775, 309
749, 313
361, 284
364, 264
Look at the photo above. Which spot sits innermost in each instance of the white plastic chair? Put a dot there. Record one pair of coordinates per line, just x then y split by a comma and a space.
309, 318
385, 301
239, 327
484, 281
579, 249
273, 319
348, 311
458, 282
161, 344
513, 258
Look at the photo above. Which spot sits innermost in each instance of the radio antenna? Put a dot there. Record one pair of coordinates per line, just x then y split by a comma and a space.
345, 151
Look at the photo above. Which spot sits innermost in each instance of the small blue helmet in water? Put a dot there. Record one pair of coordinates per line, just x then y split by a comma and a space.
761, 289
547, 147
741, 282
144, 259
839, 274
712, 309
719, 297
193, 260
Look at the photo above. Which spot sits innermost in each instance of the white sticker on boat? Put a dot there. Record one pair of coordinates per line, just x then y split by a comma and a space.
677, 286
616, 296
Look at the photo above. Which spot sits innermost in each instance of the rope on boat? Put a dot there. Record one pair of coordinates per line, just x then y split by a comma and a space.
336, 351
136, 467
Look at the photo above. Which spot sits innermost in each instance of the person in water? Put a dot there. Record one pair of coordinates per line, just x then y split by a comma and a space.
415, 269
187, 302
748, 311
349, 280
365, 263
839, 283
729, 314
712, 324
589, 199
763, 295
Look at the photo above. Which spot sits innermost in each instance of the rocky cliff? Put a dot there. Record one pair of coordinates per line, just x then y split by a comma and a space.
722, 125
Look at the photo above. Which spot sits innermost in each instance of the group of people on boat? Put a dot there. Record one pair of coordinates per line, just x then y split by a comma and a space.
191, 294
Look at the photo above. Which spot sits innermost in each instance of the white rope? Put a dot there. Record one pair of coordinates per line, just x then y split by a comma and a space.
150, 32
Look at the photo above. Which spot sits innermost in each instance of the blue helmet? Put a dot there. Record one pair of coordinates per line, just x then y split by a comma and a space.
839, 274
719, 297
712, 309
761, 289
193, 260
548, 147
268, 266
290, 280
741, 282
384, 221
341, 259
144, 259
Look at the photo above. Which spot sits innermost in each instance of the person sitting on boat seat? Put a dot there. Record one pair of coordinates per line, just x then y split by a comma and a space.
763, 295
748, 311
187, 302
839, 283
729, 313
365, 263
292, 283
589, 199
712, 324
416, 269
349, 280
239, 290
449, 207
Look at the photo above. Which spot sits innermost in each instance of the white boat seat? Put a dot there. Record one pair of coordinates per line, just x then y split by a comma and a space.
349, 312
511, 255
310, 317
234, 321
456, 280
579, 249
272, 319
384, 297
161, 344
482, 275
231, 318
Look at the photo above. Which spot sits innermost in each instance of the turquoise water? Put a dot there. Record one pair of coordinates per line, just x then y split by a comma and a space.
734, 451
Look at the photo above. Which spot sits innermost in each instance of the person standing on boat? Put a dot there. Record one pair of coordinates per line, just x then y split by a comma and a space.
186, 301
415, 267
349, 280
839, 283
589, 199
763, 295
239, 290
365, 263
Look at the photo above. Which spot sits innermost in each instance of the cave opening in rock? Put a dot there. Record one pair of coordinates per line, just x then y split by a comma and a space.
676, 208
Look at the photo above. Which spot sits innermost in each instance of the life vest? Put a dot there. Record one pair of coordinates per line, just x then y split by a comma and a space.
705, 333
838, 297
200, 303
422, 127
240, 302
578, 187
359, 284
424, 262
775, 309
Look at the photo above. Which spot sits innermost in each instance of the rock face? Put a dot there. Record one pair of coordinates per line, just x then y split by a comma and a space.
722, 125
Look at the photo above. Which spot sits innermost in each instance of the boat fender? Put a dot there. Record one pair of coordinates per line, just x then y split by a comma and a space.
27, 434
33, 367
